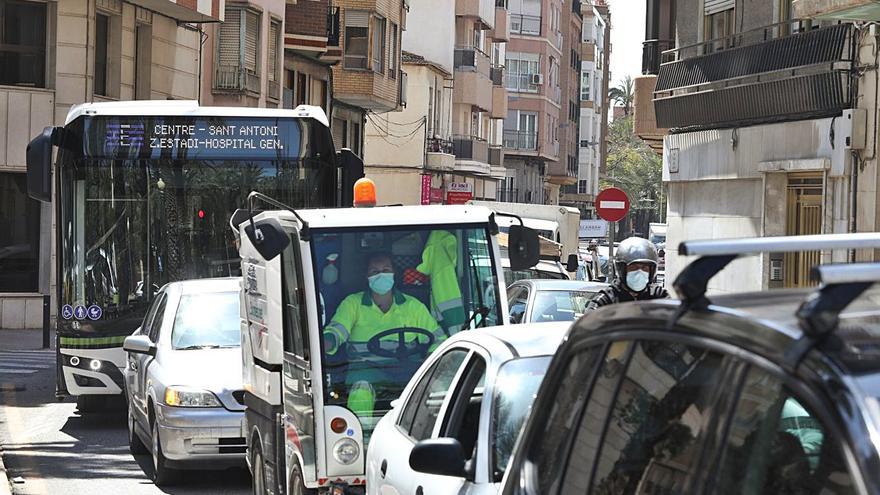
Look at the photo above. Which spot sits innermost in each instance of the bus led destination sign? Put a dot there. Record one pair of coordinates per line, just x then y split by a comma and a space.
200, 138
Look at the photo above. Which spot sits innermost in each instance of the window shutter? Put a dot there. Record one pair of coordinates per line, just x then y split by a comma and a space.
273, 50
357, 18
715, 6
230, 35
251, 40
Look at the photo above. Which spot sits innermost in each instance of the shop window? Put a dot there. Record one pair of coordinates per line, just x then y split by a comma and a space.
23, 43
19, 235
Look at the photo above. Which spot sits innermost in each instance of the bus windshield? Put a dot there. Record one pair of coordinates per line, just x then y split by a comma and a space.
389, 297
133, 218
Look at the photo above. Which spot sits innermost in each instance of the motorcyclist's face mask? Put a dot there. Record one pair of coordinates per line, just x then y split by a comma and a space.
637, 276
380, 275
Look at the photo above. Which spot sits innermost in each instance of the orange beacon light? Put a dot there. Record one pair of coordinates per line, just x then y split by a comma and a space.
364, 192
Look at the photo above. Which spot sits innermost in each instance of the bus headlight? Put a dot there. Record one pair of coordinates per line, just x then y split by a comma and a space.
346, 451
181, 397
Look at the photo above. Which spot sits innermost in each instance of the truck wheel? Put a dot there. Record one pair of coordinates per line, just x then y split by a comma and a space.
297, 484
162, 474
135, 444
258, 472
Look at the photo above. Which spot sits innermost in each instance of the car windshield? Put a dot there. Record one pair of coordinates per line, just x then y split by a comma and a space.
207, 320
560, 305
515, 387
511, 276
388, 297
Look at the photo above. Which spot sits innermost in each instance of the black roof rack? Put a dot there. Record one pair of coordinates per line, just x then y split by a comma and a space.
819, 314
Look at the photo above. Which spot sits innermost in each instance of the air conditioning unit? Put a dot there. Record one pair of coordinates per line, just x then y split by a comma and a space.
537, 79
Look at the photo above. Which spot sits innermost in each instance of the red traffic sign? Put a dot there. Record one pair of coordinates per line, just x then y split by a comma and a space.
612, 204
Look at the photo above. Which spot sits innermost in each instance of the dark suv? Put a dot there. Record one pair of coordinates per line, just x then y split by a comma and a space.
773, 392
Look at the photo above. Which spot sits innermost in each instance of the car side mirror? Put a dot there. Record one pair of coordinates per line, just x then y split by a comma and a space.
139, 344
268, 237
523, 249
39, 166
572, 263
440, 456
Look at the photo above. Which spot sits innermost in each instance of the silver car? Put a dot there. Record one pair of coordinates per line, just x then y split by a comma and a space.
183, 379
537, 301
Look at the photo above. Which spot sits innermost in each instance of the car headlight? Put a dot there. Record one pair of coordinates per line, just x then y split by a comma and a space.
346, 451
183, 397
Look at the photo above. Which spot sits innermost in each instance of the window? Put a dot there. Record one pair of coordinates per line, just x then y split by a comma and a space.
357, 30
209, 319
719, 25
238, 45
102, 40
517, 300
583, 186
653, 433
19, 236
143, 61
586, 85
272, 50
462, 421
525, 17
392, 60
777, 445
295, 337
23, 43
551, 443
521, 67
378, 43
420, 413
156, 324
302, 89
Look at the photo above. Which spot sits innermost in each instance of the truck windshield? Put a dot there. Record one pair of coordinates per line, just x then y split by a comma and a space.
389, 296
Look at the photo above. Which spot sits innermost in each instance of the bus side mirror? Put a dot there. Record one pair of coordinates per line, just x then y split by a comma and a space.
352, 170
268, 237
523, 247
572, 264
39, 166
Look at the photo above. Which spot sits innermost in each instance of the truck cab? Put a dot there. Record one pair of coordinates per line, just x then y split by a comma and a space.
315, 341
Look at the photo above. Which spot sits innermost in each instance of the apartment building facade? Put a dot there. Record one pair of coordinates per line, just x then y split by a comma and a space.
768, 135
563, 172
595, 50
55, 54
533, 65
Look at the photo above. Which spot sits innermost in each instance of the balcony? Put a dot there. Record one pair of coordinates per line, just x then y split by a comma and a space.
510, 195
308, 27
236, 80
496, 74
471, 148
856, 10
499, 102
180, 12
440, 154
484, 10
366, 89
496, 156
501, 31
760, 76
651, 53
520, 140
644, 117
472, 83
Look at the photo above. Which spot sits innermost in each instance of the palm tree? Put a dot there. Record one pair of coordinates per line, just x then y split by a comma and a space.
623, 95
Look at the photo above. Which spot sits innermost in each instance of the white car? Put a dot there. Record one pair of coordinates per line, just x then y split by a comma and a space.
454, 427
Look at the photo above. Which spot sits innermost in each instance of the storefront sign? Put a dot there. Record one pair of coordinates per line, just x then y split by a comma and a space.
593, 229
426, 189
436, 195
459, 193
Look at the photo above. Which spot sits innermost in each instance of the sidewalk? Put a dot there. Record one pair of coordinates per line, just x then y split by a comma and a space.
18, 340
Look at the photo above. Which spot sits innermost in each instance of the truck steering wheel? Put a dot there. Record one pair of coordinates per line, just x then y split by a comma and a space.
404, 349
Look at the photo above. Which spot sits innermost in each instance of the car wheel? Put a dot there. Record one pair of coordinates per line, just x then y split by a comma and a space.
135, 444
162, 474
258, 471
297, 484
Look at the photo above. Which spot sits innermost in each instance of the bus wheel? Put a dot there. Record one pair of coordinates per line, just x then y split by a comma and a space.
297, 484
258, 472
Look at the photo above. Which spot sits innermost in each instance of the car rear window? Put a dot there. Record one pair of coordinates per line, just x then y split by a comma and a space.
560, 305
207, 320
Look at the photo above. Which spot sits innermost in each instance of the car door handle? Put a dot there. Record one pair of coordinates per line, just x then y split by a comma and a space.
384, 467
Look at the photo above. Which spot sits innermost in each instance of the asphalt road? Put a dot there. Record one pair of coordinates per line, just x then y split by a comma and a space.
57, 450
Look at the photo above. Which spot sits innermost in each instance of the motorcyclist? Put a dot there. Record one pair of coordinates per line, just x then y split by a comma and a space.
635, 266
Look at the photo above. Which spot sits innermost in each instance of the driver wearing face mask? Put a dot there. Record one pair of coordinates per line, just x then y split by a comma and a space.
363, 315
636, 265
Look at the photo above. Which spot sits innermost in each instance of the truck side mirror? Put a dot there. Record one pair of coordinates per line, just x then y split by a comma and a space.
268, 237
352, 170
523, 247
572, 264
39, 166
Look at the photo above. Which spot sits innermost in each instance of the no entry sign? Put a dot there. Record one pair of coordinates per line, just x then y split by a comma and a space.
612, 204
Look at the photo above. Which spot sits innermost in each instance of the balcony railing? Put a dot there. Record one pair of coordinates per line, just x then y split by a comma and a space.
496, 74
805, 75
651, 55
470, 148
525, 24
508, 195
333, 27
496, 156
273, 90
521, 140
236, 79
439, 145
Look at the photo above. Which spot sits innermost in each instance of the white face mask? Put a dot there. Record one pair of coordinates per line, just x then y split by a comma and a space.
637, 280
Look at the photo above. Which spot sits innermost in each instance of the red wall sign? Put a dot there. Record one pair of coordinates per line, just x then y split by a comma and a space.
459, 193
426, 189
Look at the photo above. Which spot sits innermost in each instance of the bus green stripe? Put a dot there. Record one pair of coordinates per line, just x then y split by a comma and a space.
75, 342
